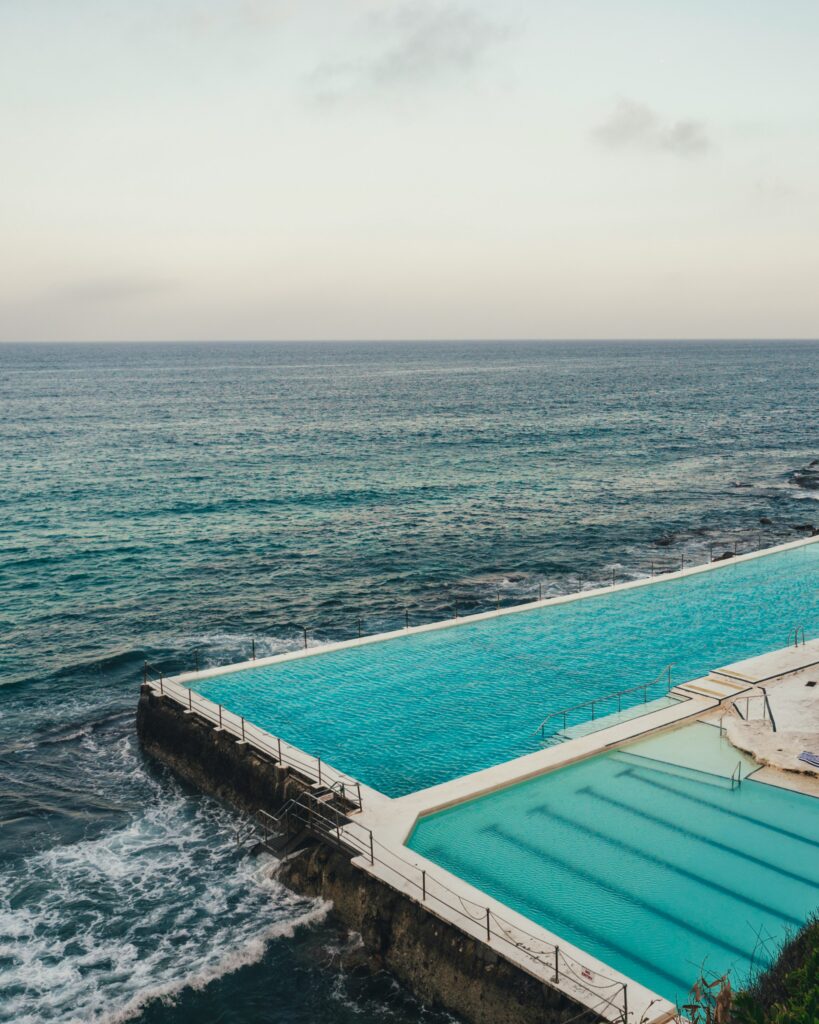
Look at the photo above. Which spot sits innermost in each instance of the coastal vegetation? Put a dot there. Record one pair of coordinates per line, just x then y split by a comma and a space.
786, 993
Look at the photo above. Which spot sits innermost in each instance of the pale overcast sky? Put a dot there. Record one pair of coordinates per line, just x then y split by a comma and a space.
254, 169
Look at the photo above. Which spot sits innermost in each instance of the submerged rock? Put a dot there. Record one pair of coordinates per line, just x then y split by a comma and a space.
808, 476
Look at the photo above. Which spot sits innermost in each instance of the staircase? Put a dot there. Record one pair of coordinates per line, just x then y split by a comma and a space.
718, 685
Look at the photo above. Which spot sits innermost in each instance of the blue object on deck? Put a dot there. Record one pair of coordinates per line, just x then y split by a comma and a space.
809, 758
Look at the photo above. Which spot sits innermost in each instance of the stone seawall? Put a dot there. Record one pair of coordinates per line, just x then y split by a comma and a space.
438, 962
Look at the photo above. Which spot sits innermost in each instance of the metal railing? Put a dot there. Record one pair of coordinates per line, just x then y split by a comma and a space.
546, 960
752, 703
311, 768
794, 635
663, 679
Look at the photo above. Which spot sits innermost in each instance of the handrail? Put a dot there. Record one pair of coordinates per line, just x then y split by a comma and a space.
358, 840
608, 696
795, 634
312, 768
768, 706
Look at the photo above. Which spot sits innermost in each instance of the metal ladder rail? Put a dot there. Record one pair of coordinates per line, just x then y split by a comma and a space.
795, 633
619, 694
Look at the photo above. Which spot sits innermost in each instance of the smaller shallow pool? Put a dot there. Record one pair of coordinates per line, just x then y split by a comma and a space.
655, 866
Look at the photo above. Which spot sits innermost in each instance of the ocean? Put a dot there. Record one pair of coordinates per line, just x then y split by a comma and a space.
181, 503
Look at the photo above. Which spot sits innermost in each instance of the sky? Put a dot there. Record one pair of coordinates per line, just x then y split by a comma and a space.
351, 169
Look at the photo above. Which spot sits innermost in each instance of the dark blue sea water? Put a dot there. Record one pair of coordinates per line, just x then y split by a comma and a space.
170, 502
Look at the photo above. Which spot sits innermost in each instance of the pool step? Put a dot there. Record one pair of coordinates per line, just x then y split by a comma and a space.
717, 688
733, 676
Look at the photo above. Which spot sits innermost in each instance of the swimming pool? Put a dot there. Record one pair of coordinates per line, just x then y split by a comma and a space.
656, 868
408, 713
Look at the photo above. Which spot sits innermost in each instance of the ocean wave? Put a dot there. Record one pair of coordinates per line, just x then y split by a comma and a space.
94, 930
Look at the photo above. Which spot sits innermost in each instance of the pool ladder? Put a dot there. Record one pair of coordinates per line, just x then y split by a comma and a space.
794, 635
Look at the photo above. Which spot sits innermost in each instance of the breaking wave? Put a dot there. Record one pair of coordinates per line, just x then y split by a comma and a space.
92, 931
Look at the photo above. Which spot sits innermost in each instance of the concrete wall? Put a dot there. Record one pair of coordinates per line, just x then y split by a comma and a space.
434, 959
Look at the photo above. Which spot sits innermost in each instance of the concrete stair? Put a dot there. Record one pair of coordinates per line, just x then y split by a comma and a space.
717, 686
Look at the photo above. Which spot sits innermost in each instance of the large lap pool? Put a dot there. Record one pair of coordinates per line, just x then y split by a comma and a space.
411, 712
655, 868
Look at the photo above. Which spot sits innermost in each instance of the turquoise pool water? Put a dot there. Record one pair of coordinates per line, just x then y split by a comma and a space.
653, 867
407, 713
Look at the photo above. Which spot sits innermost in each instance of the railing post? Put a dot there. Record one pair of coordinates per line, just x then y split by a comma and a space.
358, 788
318, 761
557, 964
190, 699
423, 885
372, 851
625, 1003
161, 685
488, 932
220, 716
243, 730
304, 628
278, 740
682, 562
252, 648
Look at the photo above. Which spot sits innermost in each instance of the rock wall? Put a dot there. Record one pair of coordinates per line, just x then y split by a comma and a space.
434, 959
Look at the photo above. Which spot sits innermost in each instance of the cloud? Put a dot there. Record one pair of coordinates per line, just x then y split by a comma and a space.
774, 192
412, 44
635, 126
